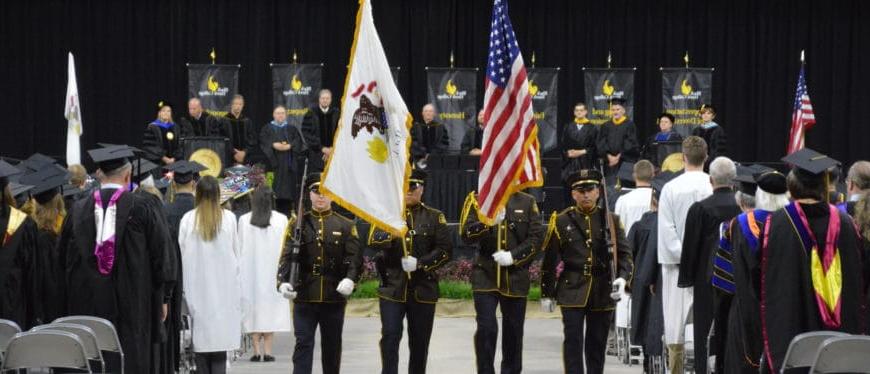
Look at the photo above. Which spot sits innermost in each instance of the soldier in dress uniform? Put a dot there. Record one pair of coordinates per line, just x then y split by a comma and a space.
330, 264
501, 276
409, 285
585, 288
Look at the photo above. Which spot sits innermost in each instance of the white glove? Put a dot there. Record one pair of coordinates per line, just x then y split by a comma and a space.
345, 287
504, 258
547, 305
618, 289
286, 290
409, 263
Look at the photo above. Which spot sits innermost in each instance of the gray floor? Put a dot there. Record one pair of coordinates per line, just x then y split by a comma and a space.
451, 349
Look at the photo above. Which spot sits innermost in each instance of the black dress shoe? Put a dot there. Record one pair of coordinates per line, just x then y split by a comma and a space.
256, 358
268, 358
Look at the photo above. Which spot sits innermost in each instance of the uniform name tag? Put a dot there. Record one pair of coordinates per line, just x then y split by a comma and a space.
336, 233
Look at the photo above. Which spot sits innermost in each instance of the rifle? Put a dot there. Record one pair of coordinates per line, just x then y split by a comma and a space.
609, 227
296, 241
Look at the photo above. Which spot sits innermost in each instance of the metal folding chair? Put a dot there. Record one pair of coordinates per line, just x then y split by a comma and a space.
8, 329
843, 354
107, 336
85, 334
803, 348
45, 349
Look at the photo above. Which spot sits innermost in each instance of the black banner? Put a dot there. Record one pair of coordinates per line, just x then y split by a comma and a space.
544, 88
296, 86
214, 85
683, 92
453, 91
602, 85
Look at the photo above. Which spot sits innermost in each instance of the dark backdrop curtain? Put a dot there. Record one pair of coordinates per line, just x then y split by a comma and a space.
130, 54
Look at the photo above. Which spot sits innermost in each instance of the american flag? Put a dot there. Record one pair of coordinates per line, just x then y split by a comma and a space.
511, 158
802, 117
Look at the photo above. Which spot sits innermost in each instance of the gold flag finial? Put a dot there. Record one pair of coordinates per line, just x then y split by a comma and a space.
609, 59
295, 57
686, 59
451, 59
212, 55
802, 56
533, 58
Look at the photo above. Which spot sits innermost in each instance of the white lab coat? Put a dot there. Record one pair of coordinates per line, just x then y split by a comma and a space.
263, 307
211, 284
630, 207
677, 196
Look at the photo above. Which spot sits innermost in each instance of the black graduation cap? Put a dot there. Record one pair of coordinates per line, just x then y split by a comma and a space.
184, 171
618, 101
137, 152
745, 179
626, 172
312, 182
810, 161
7, 170
162, 184
142, 168
69, 190
771, 181
418, 178
17, 188
111, 158
584, 179
659, 181
46, 182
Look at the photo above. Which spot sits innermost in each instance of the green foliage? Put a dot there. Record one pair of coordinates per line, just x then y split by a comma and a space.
448, 289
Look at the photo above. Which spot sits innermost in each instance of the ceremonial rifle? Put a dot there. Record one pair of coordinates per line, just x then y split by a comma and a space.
609, 228
296, 241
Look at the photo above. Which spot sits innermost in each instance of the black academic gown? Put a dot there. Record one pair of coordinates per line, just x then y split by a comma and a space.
717, 140
646, 307
700, 240
431, 138
183, 203
788, 303
243, 136
128, 295
284, 164
616, 139
158, 142
52, 285
583, 138
318, 130
19, 296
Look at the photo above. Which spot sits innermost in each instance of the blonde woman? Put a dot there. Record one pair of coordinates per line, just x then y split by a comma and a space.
261, 234
209, 253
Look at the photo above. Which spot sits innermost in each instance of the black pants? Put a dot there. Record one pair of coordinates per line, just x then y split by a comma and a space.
306, 318
573, 349
421, 316
211, 362
513, 312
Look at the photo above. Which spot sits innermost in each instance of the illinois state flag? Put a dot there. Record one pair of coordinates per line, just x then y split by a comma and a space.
368, 170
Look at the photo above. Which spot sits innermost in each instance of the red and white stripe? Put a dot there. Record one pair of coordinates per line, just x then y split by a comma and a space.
801, 120
510, 125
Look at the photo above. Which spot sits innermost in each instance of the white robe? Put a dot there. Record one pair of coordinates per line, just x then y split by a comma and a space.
677, 196
263, 307
211, 284
630, 207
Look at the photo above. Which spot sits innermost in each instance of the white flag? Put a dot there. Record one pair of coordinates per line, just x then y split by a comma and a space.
73, 113
368, 170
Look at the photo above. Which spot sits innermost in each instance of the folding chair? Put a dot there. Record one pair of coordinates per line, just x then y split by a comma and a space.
45, 349
107, 336
803, 348
8, 329
843, 354
85, 334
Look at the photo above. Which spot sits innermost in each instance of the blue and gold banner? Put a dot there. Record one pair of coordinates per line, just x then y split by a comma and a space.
604, 85
684, 90
453, 91
214, 85
544, 87
296, 87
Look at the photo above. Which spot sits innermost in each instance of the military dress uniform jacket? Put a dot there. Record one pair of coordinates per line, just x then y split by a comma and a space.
521, 233
427, 240
330, 251
578, 239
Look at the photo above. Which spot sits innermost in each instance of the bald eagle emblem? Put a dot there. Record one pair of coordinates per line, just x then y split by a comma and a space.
368, 116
